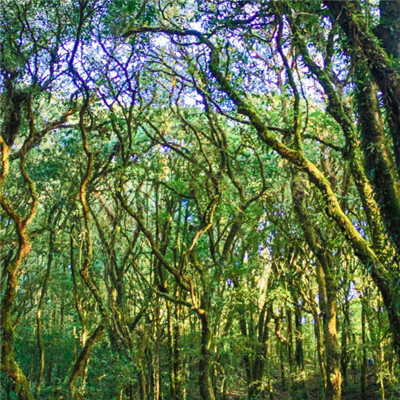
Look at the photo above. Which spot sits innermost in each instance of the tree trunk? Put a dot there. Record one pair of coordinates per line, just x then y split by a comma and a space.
171, 353
141, 375
256, 386
11, 128
299, 352
8, 362
364, 350
178, 367
81, 363
205, 380
320, 350
290, 338
334, 383
157, 367
39, 313
327, 292
346, 329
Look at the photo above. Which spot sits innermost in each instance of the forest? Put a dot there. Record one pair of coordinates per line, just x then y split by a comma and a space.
200, 199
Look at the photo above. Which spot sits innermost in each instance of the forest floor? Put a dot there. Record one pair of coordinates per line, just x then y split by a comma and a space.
311, 390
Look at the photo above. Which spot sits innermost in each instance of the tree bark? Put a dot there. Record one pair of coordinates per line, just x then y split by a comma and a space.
205, 380
348, 15
11, 128
327, 292
364, 350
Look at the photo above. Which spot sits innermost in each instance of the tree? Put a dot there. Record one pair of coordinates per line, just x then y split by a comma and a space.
199, 199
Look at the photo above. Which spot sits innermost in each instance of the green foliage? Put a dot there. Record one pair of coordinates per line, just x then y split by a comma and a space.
204, 201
